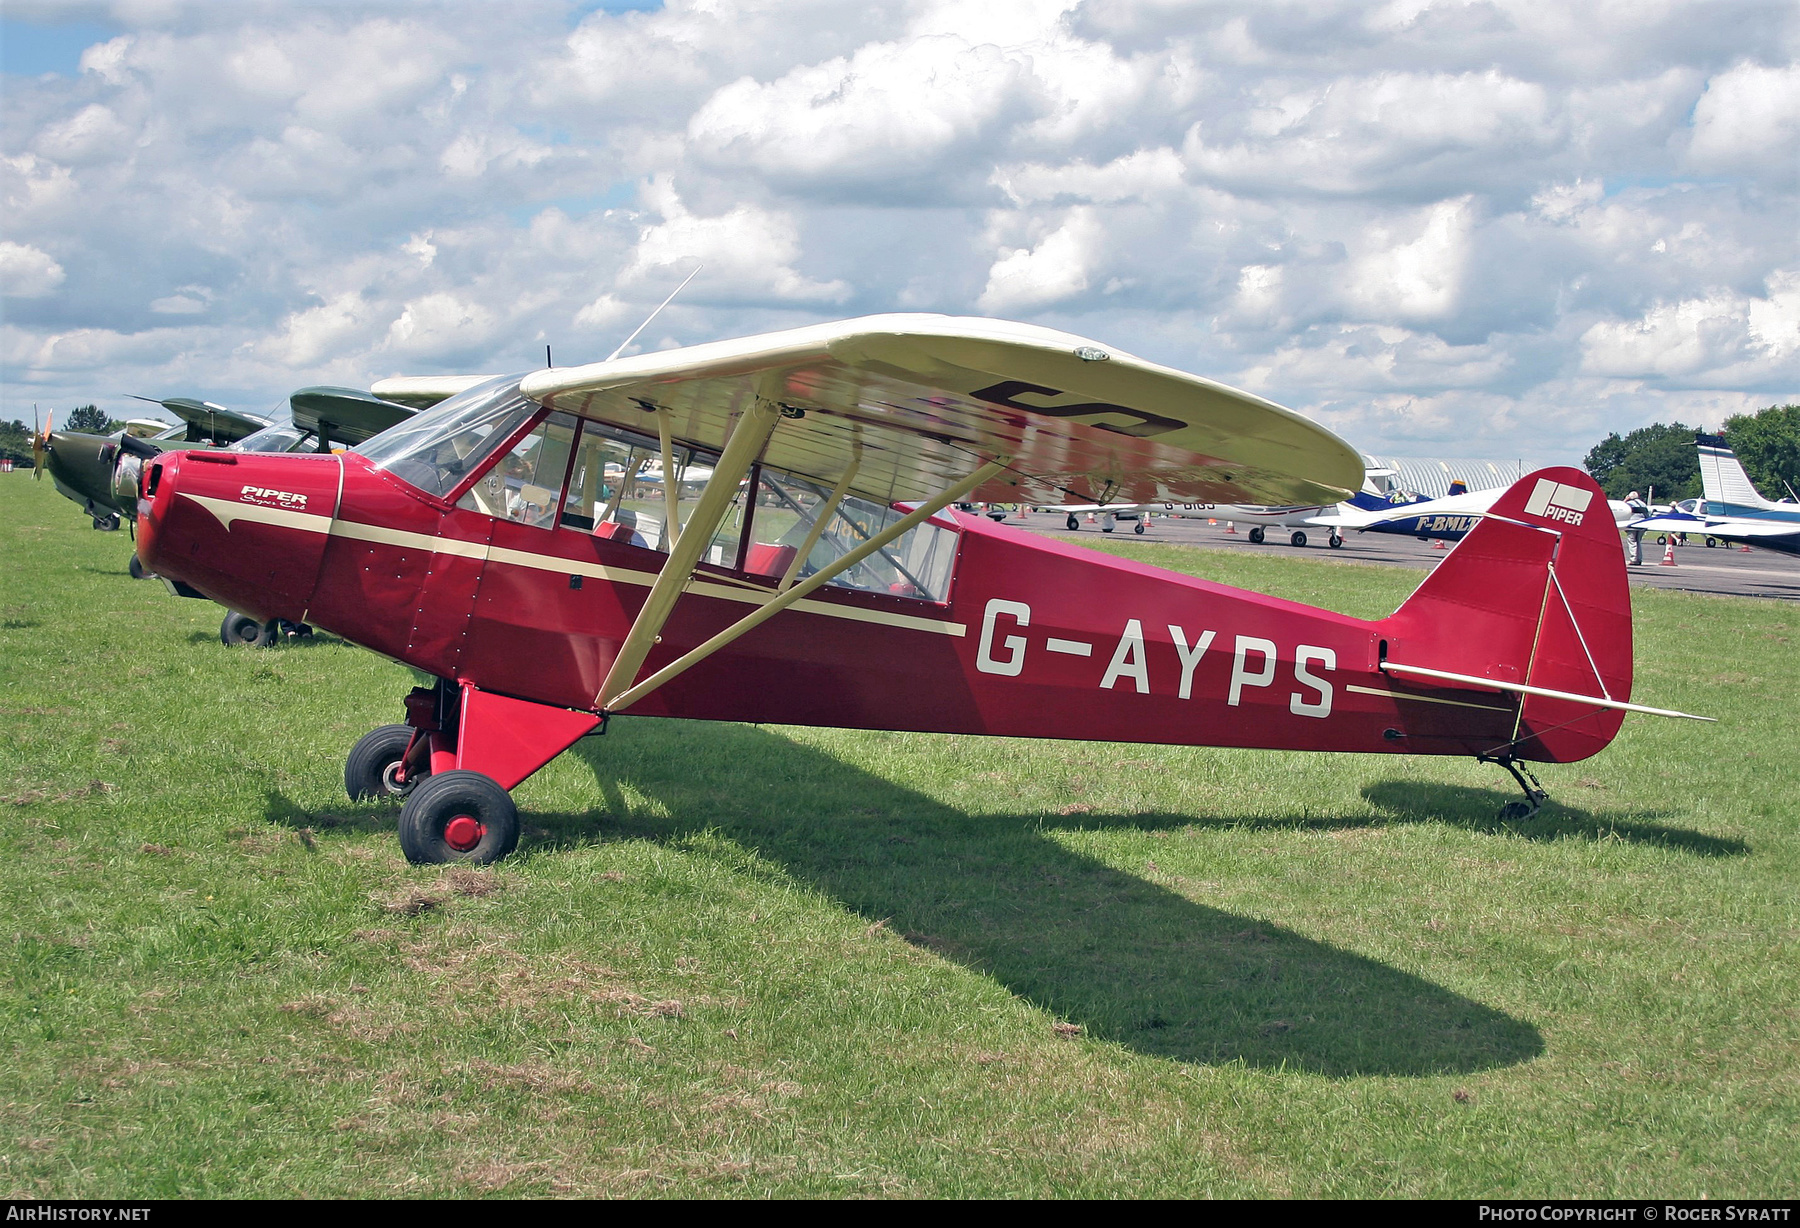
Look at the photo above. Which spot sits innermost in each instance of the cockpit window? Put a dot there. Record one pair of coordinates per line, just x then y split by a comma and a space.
284, 437
437, 449
525, 483
795, 514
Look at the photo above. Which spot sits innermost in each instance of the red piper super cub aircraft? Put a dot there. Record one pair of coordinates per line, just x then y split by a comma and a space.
756, 530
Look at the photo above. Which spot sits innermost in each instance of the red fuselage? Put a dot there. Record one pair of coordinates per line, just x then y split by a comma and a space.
1037, 638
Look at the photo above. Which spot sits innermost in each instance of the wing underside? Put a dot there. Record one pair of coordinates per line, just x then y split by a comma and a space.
918, 402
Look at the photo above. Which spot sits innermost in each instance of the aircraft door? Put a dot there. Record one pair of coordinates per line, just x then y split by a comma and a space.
441, 624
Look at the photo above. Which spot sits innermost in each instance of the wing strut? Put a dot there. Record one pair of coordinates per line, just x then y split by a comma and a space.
741, 450
672, 488
755, 618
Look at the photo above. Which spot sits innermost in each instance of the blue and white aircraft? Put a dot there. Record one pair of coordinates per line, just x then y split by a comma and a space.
1732, 510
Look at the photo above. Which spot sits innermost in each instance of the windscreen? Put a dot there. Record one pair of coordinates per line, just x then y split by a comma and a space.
437, 449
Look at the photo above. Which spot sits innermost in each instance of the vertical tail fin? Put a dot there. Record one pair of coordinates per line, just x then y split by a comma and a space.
1723, 479
1534, 595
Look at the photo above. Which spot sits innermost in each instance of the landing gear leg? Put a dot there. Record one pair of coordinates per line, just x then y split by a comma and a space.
1335, 541
481, 745
1535, 797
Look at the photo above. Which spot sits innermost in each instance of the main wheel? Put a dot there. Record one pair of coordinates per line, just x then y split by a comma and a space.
371, 772
136, 569
107, 524
1074, 524
239, 629
1138, 528
269, 634
1256, 535
458, 816
1335, 541
1711, 542
1299, 537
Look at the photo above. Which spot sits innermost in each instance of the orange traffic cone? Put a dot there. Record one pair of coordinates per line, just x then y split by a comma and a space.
1669, 554
1090, 518
1437, 543
1230, 528
1210, 520
1745, 549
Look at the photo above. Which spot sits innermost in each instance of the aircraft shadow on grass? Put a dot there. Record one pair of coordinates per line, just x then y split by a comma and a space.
1130, 961
1411, 801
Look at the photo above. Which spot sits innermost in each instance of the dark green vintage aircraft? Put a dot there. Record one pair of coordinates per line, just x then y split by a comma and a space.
100, 472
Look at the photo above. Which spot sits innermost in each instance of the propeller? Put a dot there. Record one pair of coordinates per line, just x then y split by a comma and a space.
40, 443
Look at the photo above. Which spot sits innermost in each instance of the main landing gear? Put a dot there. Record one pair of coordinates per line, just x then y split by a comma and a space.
451, 764
1074, 524
1256, 534
388, 762
1299, 538
241, 629
1335, 541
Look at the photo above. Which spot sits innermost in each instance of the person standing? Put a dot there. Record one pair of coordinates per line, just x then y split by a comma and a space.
1634, 546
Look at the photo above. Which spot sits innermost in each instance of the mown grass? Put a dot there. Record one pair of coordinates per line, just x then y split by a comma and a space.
742, 960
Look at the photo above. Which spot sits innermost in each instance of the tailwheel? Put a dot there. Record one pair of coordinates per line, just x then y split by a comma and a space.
458, 816
376, 768
1535, 796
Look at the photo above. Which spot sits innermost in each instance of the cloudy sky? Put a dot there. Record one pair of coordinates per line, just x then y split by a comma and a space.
1478, 229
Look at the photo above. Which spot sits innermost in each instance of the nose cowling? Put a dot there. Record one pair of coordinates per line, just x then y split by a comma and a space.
248, 531
81, 466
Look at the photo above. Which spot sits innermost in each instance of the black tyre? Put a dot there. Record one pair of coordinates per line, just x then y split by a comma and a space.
1711, 542
1299, 537
1662, 539
1138, 528
1335, 541
1074, 524
370, 770
269, 634
106, 524
239, 629
458, 816
1256, 535
136, 569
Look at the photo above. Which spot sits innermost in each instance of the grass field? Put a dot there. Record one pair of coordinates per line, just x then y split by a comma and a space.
742, 960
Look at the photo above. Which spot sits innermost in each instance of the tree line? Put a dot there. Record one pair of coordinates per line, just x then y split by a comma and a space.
1662, 458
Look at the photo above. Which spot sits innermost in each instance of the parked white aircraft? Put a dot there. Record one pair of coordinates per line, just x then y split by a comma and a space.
1733, 510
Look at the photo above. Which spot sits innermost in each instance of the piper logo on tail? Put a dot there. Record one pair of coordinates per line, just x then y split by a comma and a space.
1555, 501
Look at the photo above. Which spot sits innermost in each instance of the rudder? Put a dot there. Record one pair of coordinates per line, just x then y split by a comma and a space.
1535, 595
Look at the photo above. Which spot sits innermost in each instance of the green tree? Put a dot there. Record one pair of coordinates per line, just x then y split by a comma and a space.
87, 419
1655, 457
15, 442
1768, 442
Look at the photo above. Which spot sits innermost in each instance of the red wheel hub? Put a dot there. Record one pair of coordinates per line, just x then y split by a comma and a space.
463, 833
